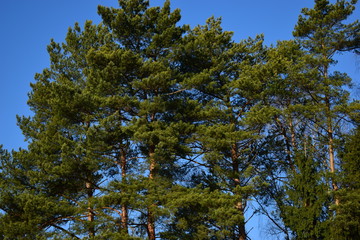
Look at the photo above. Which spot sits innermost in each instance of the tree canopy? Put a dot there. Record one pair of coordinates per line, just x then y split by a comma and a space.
144, 128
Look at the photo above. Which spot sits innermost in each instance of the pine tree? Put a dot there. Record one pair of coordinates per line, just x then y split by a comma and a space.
108, 100
308, 118
292, 152
144, 128
346, 223
63, 148
323, 33
216, 73
150, 34
17, 219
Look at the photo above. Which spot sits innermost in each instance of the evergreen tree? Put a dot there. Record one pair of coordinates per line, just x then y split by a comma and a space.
228, 124
292, 152
323, 33
144, 128
156, 124
346, 223
109, 97
64, 151
310, 113
17, 217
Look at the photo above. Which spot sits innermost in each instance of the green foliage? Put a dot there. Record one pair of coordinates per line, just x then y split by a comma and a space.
347, 222
311, 103
323, 29
144, 128
303, 210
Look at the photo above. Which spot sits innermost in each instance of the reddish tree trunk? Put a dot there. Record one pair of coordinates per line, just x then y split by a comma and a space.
90, 213
124, 208
239, 205
150, 216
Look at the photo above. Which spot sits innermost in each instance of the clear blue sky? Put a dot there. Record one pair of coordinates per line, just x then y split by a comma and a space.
27, 27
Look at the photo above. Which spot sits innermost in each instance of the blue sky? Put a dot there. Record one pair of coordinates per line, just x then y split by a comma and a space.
27, 27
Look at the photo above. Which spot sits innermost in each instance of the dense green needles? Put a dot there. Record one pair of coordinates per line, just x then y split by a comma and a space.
147, 129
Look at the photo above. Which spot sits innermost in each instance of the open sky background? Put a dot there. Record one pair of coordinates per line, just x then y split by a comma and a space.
27, 27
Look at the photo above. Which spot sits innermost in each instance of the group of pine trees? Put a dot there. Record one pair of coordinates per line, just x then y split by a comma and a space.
147, 129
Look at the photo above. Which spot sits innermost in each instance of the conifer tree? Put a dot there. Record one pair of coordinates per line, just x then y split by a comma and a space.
292, 153
17, 204
144, 128
323, 34
308, 117
63, 147
109, 96
216, 69
149, 34
346, 223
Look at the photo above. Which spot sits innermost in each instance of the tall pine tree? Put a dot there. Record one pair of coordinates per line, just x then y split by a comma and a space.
323, 33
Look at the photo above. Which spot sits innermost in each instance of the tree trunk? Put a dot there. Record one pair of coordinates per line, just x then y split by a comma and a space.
242, 231
292, 132
152, 162
331, 152
150, 215
332, 159
330, 139
151, 224
239, 205
288, 143
90, 213
124, 208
